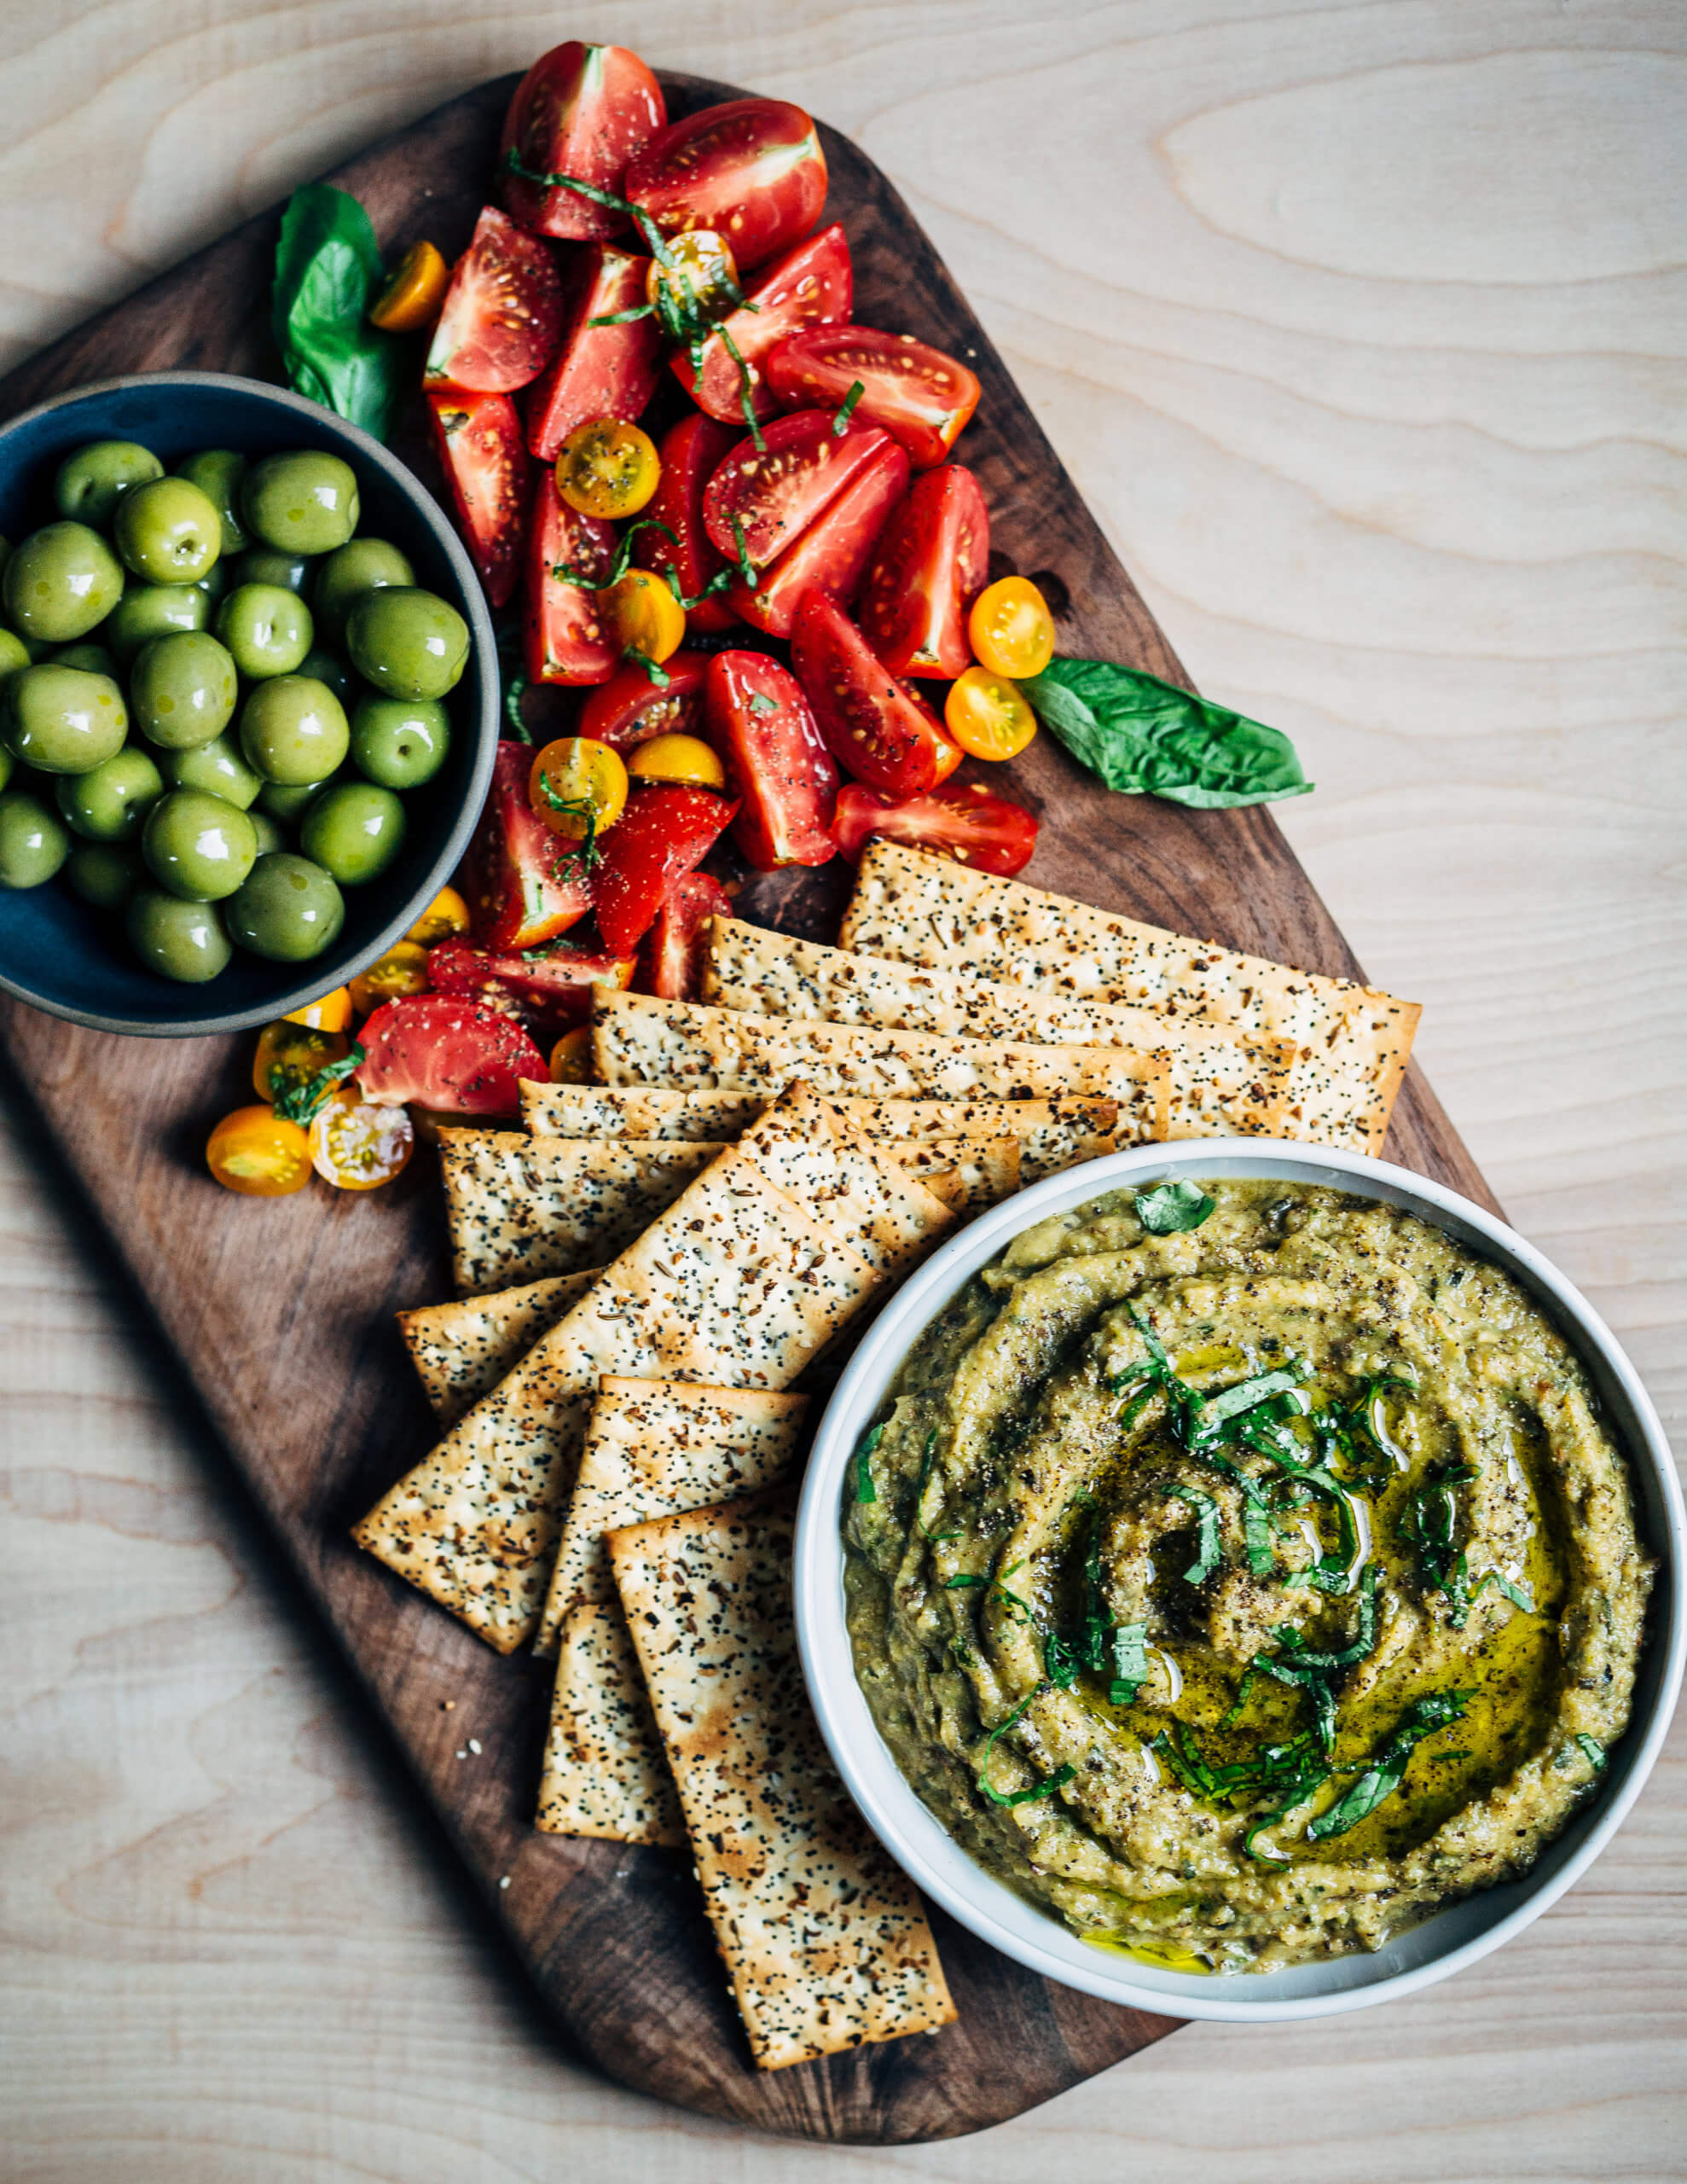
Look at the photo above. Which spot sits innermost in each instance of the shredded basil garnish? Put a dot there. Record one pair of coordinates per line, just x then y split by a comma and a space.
1592, 1751
1037, 1790
1384, 1772
583, 580
865, 1489
653, 668
840, 423
303, 1103
1206, 1535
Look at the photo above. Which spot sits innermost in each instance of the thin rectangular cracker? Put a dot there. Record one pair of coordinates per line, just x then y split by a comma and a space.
824, 1939
736, 1285
604, 1774
636, 1039
635, 1110
808, 1149
463, 1350
1053, 1135
969, 1174
1354, 1040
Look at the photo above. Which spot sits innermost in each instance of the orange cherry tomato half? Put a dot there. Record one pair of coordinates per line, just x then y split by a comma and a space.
675, 757
413, 291
607, 469
986, 714
445, 918
572, 1057
1010, 628
700, 283
255, 1152
403, 969
577, 787
358, 1146
329, 1011
643, 615
290, 1055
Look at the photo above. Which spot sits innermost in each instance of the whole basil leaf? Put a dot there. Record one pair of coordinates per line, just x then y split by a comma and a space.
1171, 1207
1145, 737
326, 262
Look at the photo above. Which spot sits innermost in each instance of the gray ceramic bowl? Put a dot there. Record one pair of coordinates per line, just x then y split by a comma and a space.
1443, 1945
60, 956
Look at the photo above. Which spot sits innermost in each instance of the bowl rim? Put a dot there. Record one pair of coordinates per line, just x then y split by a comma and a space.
917, 1840
483, 656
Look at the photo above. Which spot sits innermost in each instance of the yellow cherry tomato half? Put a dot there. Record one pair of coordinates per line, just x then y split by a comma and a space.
444, 918
986, 714
1010, 628
684, 759
402, 970
329, 1011
255, 1152
577, 787
290, 1055
700, 283
572, 1057
413, 291
608, 468
356, 1146
643, 615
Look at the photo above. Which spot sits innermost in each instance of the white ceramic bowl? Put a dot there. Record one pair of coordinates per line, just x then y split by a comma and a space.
1442, 1944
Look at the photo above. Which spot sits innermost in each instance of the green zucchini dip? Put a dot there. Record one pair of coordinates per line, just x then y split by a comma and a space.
1243, 1593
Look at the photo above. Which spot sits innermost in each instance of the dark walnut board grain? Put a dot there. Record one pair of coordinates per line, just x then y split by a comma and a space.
281, 1311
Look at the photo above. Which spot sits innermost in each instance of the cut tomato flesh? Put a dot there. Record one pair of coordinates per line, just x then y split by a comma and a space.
551, 987
915, 392
599, 371
776, 759
750, 171
963, 820
670, 962
832, 554
501, 319
812, 285
630, 709
439, 1050
486, 464
876, 730
931, 563
568, 638
523, 887
773, 493
691, 452
580, 110
665, 832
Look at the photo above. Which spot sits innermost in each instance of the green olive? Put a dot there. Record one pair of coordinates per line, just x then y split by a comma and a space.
302, 502
103, 874
13, 653
293, 729
220, 473
267, 629
178, 939
214, 584
400, 743
60, 582
92, 658
288, 910
354, 831
289, 801
197, 846
183, 689
62, 719
147, 610
34, 842
408, 643
363, 565
110, 803
270, 835
328, 667
217, 767
168, 531
91, 481
263, 565
9, 766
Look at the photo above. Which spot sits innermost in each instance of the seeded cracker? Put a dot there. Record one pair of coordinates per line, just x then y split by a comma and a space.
862, 1193
604, 1774
520, 1207
462, 1350
824, 1939
736, 1285
967, 1173
635, 1111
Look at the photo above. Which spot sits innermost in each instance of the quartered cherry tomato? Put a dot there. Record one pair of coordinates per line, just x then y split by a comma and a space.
811, 285
643, 615
684, 759
567, 639
833, 555
527, 884
599, 371
786, 778
752, 170
987, 715
631, 710
931, 565
481, 453
607, 469
551, 987
691, 455
501, 319
699, 284
445, 917
290, 1055
259, 1153
580, 110
577, 787
402, 970
771, 494
329, 1011
963, 820
572, 1057
915, 392
413, 291
663, 834
440, 1051
356, 1146
671, 961
876, 730
1010, 628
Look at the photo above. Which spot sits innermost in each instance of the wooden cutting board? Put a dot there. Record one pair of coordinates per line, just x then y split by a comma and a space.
281, 1311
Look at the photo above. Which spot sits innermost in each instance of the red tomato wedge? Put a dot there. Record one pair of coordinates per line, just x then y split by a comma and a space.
931, 564
776, 759
567, 639
522, 884
812, 285
502, 318
584, 110
670, 962
917, 393
599, 371
443, 1051
752, 170
630, 709
691, 455
962, 820
665, 832
773, 493
485, 460
832, 554
876, 730
551, 986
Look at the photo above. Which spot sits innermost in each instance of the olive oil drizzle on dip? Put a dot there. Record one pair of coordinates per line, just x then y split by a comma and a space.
1244, 1574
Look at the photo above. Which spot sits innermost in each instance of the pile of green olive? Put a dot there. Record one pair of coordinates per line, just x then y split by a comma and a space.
212, 695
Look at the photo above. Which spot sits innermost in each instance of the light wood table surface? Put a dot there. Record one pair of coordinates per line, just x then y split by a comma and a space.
1361, 327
